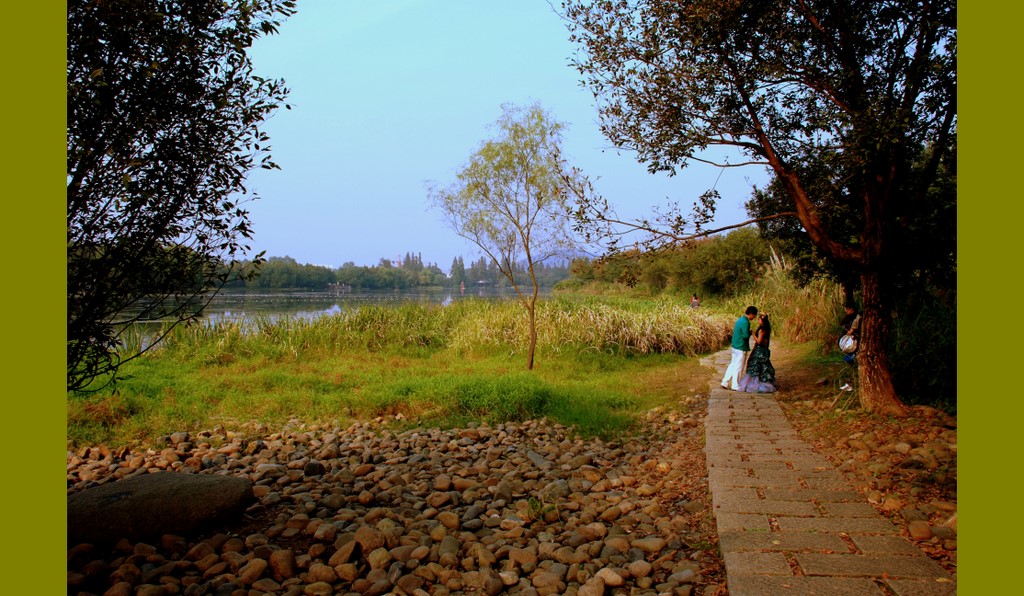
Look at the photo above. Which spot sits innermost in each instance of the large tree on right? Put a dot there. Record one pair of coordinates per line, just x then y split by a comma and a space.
843, 97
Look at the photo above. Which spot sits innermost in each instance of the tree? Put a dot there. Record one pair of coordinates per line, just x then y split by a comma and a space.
509, 200
163, 124
921, 284
825, 93
457, 272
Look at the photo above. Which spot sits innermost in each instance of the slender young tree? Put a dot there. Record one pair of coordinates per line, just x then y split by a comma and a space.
164, 119
509, 200
848, 92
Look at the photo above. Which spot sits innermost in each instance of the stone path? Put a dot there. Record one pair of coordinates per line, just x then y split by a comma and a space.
788, 522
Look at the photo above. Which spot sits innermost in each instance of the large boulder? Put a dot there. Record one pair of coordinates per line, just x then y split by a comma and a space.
152, 505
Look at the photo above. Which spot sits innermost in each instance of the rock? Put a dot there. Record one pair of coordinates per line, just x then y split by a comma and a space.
369, 538
252, 571
120, 589
410, 584
593, 587
640, 568
682, 577
325, 532
503, 491
919, 530
449, 520
282, 564
449, 551
538, 460
522, 557
152, 505
266, 585
649, 545
546, 580
892, 504
378, 558
559, 489
438, 499
318, 572
347, 571
318, 589
511, 522
610, 577
509, 578
313, 468
951, 523
333, 501
493, 585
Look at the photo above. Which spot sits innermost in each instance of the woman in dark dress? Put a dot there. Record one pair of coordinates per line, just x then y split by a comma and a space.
760, 377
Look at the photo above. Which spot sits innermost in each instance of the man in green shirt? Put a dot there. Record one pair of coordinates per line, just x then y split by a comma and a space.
740, 350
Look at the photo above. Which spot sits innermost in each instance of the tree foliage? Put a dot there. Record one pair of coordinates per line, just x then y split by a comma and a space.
409, 273
723, 265
509, 200
834, 97
164, 116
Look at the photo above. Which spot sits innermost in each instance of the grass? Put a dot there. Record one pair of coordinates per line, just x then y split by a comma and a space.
600, 363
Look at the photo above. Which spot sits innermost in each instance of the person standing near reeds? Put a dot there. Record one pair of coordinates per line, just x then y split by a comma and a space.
694, 302
740, 349
760, 377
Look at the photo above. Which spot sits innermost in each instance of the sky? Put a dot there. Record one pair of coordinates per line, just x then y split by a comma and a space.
391, 94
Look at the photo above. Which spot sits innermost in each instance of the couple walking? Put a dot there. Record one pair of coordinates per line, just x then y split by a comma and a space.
759, 375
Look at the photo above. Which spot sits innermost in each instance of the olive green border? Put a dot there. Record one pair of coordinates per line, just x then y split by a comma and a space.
34, 447
988, 400
33, 51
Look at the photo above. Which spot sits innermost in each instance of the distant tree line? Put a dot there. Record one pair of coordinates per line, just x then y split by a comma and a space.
483, 272
277, 273
719, 265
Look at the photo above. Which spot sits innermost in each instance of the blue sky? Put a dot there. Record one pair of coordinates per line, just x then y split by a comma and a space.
387, 95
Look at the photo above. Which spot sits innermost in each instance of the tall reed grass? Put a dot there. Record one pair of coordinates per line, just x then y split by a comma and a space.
373, 328
798, 314
616, 326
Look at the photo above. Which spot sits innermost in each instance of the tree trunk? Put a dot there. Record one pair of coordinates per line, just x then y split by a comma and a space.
877, 393
532, 308
848, 291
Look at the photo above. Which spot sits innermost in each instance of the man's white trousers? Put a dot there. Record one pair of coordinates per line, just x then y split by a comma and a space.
737, 367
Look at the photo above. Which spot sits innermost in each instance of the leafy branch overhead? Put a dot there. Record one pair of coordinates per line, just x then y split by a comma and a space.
164, 124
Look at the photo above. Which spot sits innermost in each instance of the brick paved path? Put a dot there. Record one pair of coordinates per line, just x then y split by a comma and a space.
788, 522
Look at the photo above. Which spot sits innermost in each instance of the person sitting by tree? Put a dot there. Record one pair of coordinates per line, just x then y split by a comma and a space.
850, 339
